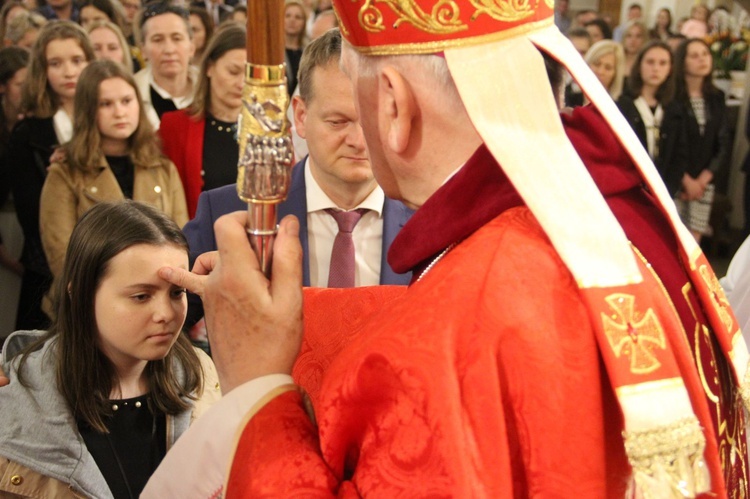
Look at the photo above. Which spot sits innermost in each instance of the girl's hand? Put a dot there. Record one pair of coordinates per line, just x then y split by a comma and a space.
58, 156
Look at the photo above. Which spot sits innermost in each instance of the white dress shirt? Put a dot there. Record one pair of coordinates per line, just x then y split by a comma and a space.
322, 230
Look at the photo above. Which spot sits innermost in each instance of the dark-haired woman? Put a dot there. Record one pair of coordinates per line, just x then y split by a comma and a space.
94, 403
203, 29
201, 140
662, 29
708, 136
656, 120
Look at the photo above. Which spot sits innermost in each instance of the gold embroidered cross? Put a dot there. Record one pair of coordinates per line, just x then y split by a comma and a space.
633, 334
717, 294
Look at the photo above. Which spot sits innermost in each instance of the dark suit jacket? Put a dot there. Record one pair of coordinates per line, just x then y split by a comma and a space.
713, 149
217, 202
673, 149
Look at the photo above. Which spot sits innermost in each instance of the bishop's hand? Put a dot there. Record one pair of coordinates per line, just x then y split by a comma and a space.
254, 325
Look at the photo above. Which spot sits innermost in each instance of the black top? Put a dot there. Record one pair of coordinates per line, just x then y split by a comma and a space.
122, 167
32, 142
161, 105
135, 445
673, 156
293, 57
220, 153
711, 149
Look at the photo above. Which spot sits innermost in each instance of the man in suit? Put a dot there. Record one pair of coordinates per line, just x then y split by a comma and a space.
335, 175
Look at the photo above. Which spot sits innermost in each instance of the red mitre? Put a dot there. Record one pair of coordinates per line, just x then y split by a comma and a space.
379, 27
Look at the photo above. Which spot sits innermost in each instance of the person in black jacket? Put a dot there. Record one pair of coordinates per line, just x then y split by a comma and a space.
707, 128
59, 55
657, 121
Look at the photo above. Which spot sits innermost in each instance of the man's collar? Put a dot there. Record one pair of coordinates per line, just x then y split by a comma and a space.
318, 200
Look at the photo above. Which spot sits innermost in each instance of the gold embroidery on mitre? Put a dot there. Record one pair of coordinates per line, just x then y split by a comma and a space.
550, 3
633, 334
718, 296
442, 20
503, 10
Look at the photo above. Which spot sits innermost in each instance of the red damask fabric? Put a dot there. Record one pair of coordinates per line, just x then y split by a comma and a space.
483, 380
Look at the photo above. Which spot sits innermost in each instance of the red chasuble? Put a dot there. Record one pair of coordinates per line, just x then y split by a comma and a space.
485, 378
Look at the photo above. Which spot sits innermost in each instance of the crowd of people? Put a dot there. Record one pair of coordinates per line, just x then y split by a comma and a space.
66, 147
661, 79
118, 144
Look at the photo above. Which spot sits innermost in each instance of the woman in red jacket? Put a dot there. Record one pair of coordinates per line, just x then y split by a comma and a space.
201, 140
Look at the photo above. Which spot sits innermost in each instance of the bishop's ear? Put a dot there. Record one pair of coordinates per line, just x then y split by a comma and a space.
398, 108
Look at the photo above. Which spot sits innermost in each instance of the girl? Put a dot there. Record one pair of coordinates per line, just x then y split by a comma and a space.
113, 154
59, 55
295, 20
633, 38
662, 29
655, 119
101, 10
607, 60
109, 43
96, 401
709, 140
203, 29
93, 11
200, 140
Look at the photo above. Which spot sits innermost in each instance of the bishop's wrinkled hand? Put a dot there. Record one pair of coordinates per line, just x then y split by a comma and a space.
254, 325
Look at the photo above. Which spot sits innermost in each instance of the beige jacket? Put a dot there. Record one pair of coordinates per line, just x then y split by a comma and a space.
18, 481
67, 195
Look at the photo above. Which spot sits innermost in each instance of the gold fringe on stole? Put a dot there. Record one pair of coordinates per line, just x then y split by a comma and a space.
667, 461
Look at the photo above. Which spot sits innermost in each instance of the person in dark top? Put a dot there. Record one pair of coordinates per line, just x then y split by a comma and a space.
295, 20
59, 55
112, 384
657, 121
709, 139
202, 139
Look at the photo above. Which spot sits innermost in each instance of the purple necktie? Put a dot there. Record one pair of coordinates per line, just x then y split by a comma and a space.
341, 273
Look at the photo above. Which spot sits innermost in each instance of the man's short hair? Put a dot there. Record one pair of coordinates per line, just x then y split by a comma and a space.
579, 33
318, 53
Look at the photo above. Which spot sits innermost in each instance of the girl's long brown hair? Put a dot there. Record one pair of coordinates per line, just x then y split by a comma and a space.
84, 149
85, 376
38, 97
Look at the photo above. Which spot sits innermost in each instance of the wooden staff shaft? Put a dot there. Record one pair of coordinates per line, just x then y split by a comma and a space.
265, 32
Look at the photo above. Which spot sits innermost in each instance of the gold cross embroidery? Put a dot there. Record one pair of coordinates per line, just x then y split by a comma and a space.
717, 294
633, 334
